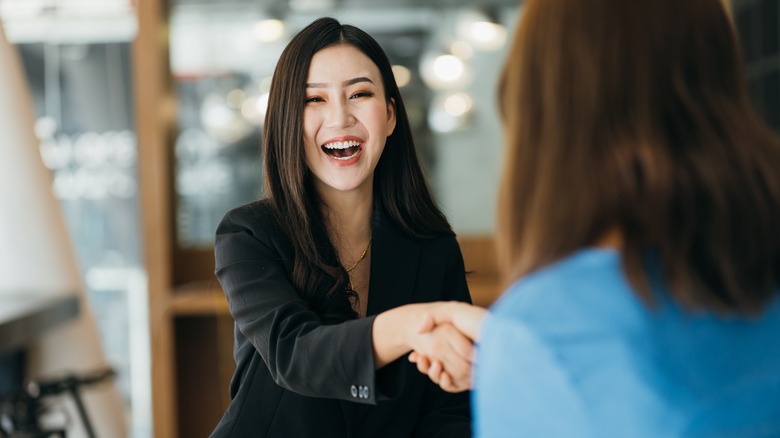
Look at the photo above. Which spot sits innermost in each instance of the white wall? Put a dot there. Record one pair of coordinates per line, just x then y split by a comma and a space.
468, 162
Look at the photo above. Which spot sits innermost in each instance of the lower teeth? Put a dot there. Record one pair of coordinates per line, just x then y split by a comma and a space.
335, 154
345, 158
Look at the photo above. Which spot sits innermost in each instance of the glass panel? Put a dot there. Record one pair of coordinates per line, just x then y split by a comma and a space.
447, 60
220, 100
217, 159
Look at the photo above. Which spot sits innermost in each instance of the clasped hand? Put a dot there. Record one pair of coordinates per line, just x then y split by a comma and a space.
444, 347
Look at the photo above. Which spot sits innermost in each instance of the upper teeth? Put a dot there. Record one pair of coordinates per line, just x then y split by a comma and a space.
342, 144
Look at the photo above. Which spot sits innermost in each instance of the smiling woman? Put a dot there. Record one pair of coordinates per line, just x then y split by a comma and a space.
347, 212
347, 119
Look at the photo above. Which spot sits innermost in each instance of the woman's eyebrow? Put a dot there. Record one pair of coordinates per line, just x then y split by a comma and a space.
348, 82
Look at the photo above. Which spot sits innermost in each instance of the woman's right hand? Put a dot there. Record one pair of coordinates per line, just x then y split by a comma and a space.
465, 319
444, 348
441, 332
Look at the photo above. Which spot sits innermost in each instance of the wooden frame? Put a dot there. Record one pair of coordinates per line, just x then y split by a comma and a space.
151, 87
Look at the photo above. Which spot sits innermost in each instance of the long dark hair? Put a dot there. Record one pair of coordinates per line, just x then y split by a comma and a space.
634, 116
399, 185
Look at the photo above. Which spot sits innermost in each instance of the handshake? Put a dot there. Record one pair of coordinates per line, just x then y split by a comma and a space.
443, 344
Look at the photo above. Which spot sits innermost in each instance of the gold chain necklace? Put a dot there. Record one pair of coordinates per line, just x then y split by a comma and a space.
362, 256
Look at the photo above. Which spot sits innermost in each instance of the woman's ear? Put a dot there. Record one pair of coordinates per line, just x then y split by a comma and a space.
390, 116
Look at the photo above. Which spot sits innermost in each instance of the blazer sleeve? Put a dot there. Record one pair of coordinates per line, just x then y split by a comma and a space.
445, 414
303, 354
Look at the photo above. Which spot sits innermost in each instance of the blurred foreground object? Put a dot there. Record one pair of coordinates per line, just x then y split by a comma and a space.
23, 412
36, 256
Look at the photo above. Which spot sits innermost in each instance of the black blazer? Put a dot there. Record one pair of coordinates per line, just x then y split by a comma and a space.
298, 377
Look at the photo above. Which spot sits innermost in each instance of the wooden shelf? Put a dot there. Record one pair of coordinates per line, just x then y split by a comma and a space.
198, 299
484, 290
479, 256
205, 299
204, 358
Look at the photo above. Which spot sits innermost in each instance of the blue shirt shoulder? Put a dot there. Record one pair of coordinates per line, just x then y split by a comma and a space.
571, 350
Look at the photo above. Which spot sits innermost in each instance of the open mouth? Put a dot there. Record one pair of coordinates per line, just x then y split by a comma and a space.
342, 150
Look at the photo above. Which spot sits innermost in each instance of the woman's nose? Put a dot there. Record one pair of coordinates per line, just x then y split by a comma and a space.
339, 114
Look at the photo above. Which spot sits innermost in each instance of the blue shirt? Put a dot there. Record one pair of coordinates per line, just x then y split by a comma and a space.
571, 351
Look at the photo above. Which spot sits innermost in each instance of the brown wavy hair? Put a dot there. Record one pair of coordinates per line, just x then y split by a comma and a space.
633, 116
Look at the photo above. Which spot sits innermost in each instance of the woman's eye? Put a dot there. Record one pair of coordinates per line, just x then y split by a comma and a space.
361, 94
314, 99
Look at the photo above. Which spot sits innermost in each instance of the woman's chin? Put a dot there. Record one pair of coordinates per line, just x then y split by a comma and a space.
344, 185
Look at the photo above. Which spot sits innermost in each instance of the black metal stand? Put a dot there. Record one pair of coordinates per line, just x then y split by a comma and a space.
20, 410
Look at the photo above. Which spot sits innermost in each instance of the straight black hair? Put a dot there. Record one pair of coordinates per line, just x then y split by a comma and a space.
399, 185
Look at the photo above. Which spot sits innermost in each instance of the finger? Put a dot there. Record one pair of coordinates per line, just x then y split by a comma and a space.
461, 345
434, 372
458, 372
438, 348
452, 386
457, 368
449, 385
467, 318
455, 351
443, 313
445, 382
463, 384
413, 357
423, 364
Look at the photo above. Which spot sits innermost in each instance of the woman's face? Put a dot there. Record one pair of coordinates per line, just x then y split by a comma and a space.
346, 120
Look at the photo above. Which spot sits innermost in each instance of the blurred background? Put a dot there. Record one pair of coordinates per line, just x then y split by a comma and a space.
149, 115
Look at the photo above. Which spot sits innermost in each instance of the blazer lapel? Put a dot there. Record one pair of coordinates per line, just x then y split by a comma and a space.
394, 262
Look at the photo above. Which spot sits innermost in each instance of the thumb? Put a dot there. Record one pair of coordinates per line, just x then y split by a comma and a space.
427, 324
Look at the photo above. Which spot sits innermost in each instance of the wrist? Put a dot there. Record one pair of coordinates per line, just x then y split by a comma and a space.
393, 334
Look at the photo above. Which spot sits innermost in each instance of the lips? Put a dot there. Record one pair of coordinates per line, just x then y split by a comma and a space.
343, 149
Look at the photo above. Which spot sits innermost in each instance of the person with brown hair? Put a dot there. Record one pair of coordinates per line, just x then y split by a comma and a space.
638, 224
328, 277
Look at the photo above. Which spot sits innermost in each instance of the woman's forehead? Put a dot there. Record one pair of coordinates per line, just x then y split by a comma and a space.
342, 62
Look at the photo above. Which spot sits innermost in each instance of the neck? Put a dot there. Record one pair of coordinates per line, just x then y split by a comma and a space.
348, 216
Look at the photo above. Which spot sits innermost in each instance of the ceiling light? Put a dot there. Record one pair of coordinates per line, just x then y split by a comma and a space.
402, 75
270, 30
444, 70
480, 31
486, 35
450, 112
462, 49
458, 104
448, 68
